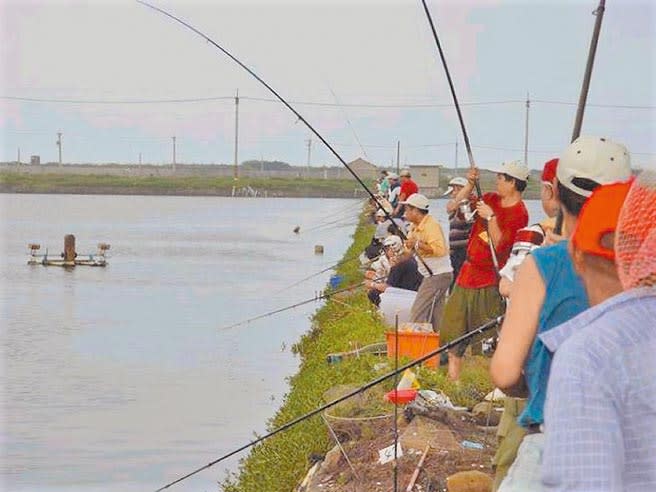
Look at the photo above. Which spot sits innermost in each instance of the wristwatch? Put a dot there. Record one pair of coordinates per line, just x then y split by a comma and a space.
490, 217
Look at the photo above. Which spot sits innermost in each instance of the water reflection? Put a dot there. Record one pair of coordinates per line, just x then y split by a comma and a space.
119, 378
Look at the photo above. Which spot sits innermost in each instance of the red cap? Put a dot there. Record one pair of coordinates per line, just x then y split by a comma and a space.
549, 170
598, 218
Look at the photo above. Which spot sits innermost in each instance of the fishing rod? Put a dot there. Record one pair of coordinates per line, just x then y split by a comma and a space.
331, 267
465, 136
318, 297
290, 107
481, 329
583, 97
585, 87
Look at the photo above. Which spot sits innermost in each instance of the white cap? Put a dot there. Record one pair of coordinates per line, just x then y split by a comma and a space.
392, 176
393, 242
417, 200
405, 172
515, 169
595, 158
457, 181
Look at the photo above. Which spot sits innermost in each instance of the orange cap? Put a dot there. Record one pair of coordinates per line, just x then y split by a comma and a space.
598, 218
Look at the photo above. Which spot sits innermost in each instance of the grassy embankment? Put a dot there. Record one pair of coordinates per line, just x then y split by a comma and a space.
280, 462
11, 182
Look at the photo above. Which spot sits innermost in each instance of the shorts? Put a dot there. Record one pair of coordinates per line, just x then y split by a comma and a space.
510, 435
525, 474
466, 310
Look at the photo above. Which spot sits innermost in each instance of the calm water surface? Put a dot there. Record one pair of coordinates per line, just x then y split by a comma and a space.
121, 378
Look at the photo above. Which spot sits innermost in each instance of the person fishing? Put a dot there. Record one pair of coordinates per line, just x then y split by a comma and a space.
403, 273
600, 421
408, 188
475, 297
550, 205
427, 240
394, 189
547, 292
509, 432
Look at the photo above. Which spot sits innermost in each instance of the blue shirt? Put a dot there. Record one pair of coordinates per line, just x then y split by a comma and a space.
601, 405
564, 298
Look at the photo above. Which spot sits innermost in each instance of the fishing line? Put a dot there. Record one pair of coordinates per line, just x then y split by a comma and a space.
470, 155
481, 329
327, 223
343, 209
296, 113
357, 139
331, 225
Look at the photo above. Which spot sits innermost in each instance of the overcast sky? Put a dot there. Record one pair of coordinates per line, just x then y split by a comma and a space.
129, 60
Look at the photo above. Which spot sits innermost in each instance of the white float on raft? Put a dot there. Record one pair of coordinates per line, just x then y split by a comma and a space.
68, 258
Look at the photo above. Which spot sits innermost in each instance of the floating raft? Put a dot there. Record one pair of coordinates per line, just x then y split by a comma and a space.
69, 258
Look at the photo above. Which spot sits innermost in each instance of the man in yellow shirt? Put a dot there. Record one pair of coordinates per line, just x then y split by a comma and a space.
426, 239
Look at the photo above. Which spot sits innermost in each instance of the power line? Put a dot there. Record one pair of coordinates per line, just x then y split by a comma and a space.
314, 103
612, 106
116, 101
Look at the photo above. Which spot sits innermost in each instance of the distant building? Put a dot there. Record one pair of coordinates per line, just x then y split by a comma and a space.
35, 160
364, 169
427, 177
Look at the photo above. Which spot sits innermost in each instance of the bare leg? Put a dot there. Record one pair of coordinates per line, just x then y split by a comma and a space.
455, 366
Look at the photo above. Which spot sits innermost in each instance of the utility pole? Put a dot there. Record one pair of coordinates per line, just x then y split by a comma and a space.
456, 163
59, 144
18, 161
398, 157
139, 161
236, 169
528, 105
309, 155
173, 138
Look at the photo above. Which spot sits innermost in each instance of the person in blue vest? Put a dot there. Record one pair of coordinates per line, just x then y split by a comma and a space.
547, 292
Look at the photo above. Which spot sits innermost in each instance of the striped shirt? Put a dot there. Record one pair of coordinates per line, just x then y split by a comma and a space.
600, 413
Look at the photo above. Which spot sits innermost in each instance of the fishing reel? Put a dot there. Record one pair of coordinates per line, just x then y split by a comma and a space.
466, 212
489, 345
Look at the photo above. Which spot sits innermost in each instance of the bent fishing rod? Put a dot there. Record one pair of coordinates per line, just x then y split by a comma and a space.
465, 136
464, 338
291, 108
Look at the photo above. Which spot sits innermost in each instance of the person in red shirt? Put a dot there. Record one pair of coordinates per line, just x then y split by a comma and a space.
408, 187
475, 298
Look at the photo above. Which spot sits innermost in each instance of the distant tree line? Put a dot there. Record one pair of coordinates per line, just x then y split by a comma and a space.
266, 165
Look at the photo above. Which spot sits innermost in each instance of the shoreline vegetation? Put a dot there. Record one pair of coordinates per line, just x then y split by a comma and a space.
346, 321
200, 185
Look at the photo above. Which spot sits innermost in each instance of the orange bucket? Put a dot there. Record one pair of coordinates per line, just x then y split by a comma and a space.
414, 345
